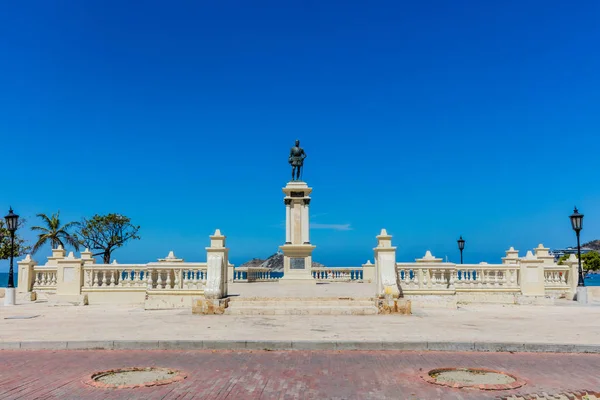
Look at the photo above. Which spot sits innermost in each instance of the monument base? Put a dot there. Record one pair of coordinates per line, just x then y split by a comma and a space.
297, 264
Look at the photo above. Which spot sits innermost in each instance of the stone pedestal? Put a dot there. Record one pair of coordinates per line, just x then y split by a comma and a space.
9, 296
69, 280
297, 250
532, 276
26, 275
385, 266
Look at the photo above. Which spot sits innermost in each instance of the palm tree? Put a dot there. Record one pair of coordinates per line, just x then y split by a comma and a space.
55, 233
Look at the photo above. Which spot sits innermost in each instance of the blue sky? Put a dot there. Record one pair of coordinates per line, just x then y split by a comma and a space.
432, 119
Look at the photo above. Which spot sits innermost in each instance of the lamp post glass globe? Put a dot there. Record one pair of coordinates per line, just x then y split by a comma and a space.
576, 220
577, 225
461, 247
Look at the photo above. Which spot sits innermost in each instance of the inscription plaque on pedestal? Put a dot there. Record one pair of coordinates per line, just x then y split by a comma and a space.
297, 263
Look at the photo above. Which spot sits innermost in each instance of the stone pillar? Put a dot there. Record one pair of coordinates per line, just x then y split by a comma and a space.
512, 256
87, 257
368, 270
57, 254
230, 273
288, 221
217, 258
385, 266
573, 277
542, 253
26, 275
297, 250
305, 223
532, 276
69, 278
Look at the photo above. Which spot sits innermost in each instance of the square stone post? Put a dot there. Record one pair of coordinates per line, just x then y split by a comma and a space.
368, 270
87, 257
385, 266
217, 258
26, 275
542, 253
573, 276
512, 256
230, 273
532, 276
57, 254
69, 279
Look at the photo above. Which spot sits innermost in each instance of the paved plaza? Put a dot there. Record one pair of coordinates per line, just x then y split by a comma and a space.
44, 374
564, 323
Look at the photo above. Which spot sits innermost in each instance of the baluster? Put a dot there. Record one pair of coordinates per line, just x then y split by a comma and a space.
192, 280
186, 280
124, 278
112, 278
159, 280
177, 280
148, 279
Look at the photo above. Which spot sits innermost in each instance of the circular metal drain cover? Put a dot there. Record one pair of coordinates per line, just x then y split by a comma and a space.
478, 378
127, 378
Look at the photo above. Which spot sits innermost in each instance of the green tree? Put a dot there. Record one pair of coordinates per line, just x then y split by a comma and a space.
590, 261
54, 232
21, 247
106, 233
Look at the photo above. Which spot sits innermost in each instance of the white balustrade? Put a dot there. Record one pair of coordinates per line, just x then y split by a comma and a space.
114, 276
44, 278
487, 277
176, 276
260, 275
416, 276
557, 277
339, 274
450, 277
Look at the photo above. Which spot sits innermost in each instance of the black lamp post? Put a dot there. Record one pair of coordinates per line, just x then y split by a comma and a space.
577, 224
12, 221
461, 247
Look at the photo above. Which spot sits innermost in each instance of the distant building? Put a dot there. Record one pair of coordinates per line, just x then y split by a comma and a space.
558, 253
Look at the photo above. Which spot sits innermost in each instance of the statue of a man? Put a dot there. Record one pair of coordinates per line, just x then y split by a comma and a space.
296, 160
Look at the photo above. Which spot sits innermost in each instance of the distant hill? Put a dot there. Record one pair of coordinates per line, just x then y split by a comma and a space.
594, 245
274, 263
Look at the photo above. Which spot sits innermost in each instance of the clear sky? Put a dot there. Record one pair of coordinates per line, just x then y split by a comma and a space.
432, 119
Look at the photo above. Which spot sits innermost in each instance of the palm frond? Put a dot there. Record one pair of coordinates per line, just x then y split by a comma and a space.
41, 241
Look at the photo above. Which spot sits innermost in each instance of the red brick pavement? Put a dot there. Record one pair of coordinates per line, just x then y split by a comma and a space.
246, 375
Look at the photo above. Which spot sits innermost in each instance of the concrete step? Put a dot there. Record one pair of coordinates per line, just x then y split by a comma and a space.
298, 303
301, 306
304, 310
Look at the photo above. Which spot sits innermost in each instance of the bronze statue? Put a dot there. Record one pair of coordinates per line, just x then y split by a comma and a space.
296, 160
